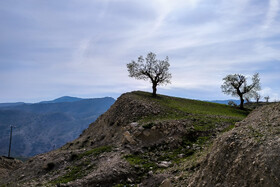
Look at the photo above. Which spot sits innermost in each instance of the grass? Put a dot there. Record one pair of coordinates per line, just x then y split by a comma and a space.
76, 172
94, 152
142, 163
136, 160
229, 128
79, 170
177, 108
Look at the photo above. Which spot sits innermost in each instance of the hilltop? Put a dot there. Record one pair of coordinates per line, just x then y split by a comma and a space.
140, 139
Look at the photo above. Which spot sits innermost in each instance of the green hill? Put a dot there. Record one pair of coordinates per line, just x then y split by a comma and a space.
205, 115
175, 107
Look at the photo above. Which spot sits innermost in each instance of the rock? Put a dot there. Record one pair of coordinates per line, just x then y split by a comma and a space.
146, 133
140, 128
134, 124
181, 155
164, 164
154, 127
128, 137
166, 183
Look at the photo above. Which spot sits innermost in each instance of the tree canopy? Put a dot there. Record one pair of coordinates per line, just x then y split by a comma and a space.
150, 69
237, 86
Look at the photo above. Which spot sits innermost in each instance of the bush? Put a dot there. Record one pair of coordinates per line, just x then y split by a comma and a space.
231, 103
49, 166
148, 126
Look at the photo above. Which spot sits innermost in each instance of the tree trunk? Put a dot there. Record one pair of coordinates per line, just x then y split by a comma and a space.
154, 89
241, 102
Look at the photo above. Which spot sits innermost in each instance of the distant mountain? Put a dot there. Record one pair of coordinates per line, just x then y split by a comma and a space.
11, 104
225, 101
41, 127
63, 99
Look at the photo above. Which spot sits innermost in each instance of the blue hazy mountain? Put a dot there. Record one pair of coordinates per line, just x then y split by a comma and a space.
11, 104
225, 101
63, 99
58, 100
41, 127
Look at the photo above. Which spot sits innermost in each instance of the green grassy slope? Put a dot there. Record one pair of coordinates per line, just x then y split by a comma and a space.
176, 108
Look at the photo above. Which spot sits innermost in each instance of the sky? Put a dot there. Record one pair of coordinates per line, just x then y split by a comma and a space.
80, 48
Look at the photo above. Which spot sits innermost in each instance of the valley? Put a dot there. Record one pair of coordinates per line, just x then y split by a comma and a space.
42, 127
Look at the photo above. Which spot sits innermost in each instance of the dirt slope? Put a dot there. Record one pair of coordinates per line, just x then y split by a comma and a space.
249, 155
8, 164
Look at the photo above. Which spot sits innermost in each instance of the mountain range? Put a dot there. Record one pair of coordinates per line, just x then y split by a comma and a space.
43, 126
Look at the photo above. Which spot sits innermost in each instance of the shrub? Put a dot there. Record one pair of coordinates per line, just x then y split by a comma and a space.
231, 103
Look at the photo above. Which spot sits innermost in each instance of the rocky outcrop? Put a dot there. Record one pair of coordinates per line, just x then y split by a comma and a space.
109, 128
249, 155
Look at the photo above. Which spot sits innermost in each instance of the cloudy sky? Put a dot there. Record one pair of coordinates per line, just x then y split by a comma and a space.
80, 48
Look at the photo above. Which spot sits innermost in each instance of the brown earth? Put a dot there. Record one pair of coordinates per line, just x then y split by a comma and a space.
248, 155
8, 164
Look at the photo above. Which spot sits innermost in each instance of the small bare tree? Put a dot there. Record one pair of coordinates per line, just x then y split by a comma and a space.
267, 98
150, 69
247, 99
257, 97
237, 86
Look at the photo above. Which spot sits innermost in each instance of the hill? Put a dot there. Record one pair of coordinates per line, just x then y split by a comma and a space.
139, 140
42, 127
11, 104
248, 155
63, 99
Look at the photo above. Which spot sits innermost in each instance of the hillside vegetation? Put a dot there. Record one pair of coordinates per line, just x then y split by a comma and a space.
172, 106
139, 140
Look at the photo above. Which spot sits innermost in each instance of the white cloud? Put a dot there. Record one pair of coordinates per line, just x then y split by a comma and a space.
272, 13
271, 93
86, 44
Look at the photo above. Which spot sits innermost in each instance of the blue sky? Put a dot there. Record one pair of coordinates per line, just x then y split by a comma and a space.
81, 47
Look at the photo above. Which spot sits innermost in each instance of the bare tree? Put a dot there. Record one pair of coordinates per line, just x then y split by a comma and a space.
247, 99
257, 97
267, 98
150, 69
237, 86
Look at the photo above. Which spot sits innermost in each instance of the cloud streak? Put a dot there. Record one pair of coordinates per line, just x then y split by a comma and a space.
54, 48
